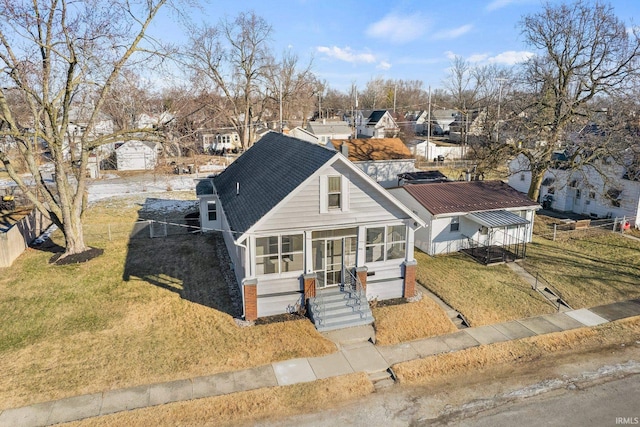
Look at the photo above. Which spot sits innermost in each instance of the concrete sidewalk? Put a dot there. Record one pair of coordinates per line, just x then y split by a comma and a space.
351, 357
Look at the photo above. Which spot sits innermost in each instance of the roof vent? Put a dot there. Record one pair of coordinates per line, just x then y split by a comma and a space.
237, 188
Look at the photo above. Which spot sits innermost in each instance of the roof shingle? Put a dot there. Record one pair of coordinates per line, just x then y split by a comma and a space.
264, 175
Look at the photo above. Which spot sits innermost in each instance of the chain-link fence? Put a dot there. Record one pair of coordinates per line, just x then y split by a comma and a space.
568, 229
141, 229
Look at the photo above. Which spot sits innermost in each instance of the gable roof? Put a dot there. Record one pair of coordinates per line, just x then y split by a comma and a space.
375, 116
467, 196
365, 149
264, 175
329, 127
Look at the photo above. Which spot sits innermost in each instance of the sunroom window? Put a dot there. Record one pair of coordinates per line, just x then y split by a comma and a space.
385, 243
279, 254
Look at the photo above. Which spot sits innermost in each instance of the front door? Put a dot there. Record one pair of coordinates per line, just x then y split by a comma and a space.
331, 256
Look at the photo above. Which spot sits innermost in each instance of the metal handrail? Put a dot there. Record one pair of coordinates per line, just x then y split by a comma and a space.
318, 306
353, 286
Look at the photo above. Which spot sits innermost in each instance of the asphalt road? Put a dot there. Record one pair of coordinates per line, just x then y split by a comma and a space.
590, 389
616, 402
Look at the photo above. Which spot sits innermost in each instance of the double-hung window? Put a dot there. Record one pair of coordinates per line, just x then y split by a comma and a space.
334, 192
385, 243
279, 254
211, 211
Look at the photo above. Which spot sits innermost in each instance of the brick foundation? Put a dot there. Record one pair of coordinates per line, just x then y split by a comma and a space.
409, 279
361, 272
250, 300
309, 285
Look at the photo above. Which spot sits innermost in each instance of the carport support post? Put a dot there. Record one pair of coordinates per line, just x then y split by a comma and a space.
409, 278
250, 299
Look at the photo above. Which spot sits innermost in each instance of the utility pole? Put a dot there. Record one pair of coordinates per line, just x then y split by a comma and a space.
395, 87
500, 81
428, 126
280, 92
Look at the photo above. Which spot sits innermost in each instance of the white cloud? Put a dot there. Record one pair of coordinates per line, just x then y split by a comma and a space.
346, 54
477, 57
511, 57
452, 33
398, 29
383, 65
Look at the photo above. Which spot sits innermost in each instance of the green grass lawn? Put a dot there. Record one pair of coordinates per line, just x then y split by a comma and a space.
593, 268
484, 295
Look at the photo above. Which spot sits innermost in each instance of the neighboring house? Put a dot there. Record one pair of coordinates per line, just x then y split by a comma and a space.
376, 124
303, 134
302, 223
487, 219
214, 142
430, 149
599, 190
327, 130
380, 158
154, 121
137, 155
441, 121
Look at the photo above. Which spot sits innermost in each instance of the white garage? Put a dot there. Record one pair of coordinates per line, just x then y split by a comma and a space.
137, 155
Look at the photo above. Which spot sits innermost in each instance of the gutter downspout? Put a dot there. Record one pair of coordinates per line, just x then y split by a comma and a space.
247, 268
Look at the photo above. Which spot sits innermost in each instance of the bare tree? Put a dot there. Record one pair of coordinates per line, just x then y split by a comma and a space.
235, 57
585, 56
55, 56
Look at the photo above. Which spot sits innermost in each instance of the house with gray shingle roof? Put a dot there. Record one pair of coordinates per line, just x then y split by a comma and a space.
304, 226
327, 130
487, 219
376, 124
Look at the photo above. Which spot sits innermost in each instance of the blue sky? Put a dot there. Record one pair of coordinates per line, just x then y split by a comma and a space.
355, 41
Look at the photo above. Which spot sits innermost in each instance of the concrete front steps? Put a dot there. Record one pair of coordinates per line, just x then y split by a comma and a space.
334, 309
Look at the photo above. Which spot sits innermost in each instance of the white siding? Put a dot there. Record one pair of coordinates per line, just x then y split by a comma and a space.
385, 290
136, 155
304, 208
422, 235
385, 172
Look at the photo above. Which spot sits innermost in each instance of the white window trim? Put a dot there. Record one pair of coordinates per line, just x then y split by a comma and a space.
280, 254
385, 244
324, 194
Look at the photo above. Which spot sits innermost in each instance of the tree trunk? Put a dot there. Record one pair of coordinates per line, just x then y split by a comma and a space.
534, 187
73, 234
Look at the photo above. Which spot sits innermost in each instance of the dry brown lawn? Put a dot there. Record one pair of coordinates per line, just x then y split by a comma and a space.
410, 321
440, 367
484, 295
146, 311
589, 268
244, 408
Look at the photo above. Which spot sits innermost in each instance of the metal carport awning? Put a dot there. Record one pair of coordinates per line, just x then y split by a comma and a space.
493, 219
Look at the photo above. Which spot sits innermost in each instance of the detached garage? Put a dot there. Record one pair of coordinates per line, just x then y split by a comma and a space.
137, 155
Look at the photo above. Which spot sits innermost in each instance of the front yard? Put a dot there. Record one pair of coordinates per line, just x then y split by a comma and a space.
152, 310
484, 295
588, 268
147, 310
